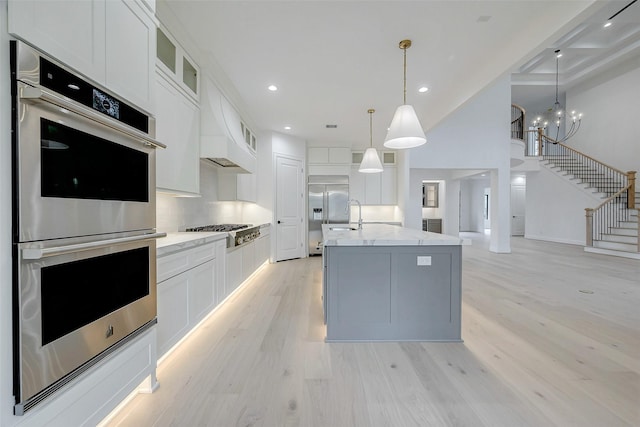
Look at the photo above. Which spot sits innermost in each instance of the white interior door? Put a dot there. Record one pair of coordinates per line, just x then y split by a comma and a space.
289, 208
517, 210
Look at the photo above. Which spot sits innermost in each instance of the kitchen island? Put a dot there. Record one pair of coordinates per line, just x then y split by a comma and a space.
388, 283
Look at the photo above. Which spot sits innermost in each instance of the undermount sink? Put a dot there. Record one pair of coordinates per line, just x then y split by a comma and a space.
342, 228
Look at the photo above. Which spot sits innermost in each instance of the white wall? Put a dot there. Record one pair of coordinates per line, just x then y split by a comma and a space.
555, 208
611, 106
477, 136
472, 204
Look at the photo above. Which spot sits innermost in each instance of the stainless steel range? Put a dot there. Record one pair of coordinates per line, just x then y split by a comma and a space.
239, 234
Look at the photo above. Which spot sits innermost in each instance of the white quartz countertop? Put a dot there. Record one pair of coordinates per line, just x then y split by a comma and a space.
175, 242
383, 235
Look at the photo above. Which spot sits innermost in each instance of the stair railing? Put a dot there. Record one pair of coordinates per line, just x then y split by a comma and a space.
610, 214
619, 186
517, 122
598, 175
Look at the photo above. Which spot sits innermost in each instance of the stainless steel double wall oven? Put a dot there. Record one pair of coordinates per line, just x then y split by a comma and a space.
84, 234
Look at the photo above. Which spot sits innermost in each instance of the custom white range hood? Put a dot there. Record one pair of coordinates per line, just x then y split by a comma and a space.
221, 133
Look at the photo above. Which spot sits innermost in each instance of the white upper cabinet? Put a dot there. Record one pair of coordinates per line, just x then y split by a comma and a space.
329, 160
72, 32
130, 52
374, 188
174, 61
109, 41
178, 127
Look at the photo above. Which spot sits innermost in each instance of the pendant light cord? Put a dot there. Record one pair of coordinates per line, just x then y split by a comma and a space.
371, 111
557, 71
404, 97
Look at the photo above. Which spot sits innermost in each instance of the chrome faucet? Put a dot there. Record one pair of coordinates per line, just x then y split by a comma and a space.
352, 201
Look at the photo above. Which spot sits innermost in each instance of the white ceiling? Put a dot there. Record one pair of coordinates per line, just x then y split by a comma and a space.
333, 60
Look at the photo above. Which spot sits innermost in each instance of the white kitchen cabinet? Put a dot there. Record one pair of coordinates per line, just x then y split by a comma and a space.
263, 246
234, 186
175, 62
110, 41
329, 160
333, 155
178, 127
318, 155
202, 288
173, 311
374, 188
389, 186
130, 51
72, 32
248, 260
188, 282
233, 271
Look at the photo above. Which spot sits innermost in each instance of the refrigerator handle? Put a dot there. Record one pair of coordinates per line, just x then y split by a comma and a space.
325, 207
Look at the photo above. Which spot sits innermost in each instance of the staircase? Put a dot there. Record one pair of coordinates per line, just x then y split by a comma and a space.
612, 227
622, 239
602, 182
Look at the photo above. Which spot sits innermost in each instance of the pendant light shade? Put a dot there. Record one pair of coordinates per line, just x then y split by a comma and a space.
370, 161
405, 130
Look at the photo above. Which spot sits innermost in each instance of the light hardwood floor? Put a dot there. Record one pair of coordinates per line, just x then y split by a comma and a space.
551, 338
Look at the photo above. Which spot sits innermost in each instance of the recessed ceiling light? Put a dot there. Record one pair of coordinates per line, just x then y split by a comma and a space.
423, 89
608, 24
273, 88
287, 128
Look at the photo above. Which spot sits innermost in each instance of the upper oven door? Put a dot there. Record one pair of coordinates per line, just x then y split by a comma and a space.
77, 176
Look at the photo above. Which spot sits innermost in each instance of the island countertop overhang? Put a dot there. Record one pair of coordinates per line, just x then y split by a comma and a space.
384, 235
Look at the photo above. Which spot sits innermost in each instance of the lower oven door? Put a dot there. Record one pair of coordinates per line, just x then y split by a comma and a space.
75, 299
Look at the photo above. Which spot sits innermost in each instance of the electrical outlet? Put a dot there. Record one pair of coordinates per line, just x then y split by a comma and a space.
424, 260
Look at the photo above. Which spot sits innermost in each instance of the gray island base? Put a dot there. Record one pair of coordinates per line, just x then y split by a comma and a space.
388, 283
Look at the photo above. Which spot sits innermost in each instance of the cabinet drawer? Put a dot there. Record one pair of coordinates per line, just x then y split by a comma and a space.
176, 263
172, 265
202, 254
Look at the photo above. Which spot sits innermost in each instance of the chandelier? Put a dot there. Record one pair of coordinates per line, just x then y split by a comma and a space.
558, 115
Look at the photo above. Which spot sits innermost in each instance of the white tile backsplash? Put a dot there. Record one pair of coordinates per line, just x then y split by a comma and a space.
176, 213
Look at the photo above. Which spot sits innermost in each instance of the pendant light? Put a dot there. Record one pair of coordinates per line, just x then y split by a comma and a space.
370, 161
405, 130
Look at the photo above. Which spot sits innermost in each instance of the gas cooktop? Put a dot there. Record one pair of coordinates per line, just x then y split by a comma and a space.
218, 227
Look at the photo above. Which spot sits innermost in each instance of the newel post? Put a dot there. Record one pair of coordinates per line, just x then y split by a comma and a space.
589, 221
631, 192
539, 141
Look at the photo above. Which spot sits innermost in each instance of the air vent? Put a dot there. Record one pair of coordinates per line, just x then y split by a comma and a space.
331, 126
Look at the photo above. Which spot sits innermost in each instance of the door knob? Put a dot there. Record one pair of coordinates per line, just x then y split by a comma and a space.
278, 221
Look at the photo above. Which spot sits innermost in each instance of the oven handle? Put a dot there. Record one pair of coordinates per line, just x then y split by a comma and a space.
39, 253
39, 94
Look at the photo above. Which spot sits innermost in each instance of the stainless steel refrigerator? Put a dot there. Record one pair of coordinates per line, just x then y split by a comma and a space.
328, 204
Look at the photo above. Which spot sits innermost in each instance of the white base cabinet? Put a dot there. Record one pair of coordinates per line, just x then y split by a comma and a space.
188, 283
244, 260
